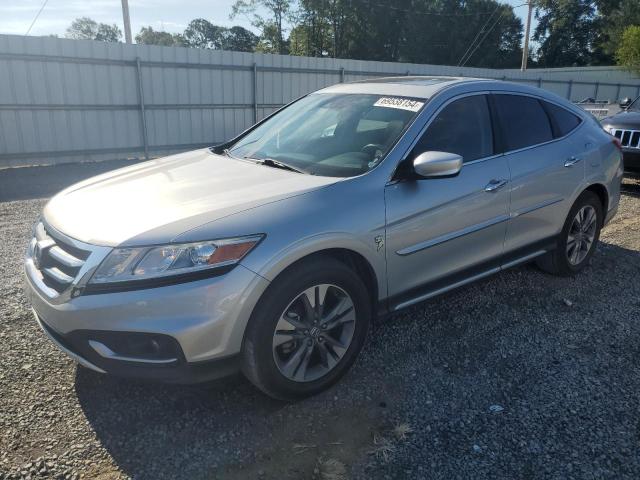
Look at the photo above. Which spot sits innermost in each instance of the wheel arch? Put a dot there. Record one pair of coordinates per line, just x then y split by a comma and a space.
603, 194
365, 264
359, 264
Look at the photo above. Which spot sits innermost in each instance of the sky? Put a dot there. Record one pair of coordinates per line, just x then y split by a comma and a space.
168, 15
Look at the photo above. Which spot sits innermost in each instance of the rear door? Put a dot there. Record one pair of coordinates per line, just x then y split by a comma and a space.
546, 164
444, 230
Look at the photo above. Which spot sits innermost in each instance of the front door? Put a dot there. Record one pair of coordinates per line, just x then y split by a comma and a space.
442, 230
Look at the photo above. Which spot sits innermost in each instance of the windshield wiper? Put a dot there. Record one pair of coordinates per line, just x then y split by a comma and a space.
270, 162
227, 152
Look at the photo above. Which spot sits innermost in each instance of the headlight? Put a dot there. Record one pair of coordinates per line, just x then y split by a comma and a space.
144, 263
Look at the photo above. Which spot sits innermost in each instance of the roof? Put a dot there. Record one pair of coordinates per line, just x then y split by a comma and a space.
413, 80
415, 86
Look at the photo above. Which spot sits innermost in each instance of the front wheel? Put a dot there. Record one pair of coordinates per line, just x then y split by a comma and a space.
578, 239
307, 329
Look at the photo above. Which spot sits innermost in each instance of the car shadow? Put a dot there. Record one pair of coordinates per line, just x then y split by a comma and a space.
631, 187
146, 426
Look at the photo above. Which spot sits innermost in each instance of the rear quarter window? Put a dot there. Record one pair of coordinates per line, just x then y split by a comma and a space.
523, 120
563, 120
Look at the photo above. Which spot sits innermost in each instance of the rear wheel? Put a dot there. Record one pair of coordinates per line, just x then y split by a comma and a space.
578, 239
307, 329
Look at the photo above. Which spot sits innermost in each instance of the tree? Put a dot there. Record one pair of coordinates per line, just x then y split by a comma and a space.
312, 36
617, 15
299, 41
201, 33
477, 33
569, 32
149, 36
240, 39
628, 54
85, 28
272, 39
420, 31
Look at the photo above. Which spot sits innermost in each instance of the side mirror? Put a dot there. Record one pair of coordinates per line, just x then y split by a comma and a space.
437, 164
624, 103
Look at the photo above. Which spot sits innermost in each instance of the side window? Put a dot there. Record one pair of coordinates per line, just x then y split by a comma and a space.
523, 120
563, 120
462, 127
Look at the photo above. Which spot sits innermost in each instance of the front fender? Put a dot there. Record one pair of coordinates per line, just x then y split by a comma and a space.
280, 260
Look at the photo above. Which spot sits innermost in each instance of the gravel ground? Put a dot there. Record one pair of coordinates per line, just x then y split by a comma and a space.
523, 375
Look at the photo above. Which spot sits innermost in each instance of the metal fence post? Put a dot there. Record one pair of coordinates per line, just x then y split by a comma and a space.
255, 93
617, 93
143, 116
341, 74
595, 91
539, 82
569, 90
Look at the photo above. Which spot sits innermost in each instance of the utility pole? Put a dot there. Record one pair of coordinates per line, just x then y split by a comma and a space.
127, 21
525, 50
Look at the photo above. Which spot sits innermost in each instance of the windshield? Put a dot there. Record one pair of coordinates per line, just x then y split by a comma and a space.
337, 135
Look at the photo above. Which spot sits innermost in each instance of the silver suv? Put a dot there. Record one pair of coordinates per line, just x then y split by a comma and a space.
271, 253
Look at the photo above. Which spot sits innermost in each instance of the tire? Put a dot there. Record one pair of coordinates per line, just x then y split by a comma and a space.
564, 261
269, 367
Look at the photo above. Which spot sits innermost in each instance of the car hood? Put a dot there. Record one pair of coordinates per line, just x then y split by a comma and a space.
153, 202
624, 120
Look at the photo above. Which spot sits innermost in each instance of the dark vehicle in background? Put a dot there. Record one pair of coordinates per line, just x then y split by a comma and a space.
625, 126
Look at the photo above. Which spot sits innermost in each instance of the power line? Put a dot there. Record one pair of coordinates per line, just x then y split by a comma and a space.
482, 39
36, 17
478, 35
463, 60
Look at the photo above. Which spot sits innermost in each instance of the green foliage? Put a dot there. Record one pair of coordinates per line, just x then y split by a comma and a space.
270, 40
312, 35
239, 39
479, 33
272, 27
420, 31
582, 32
617, 15
85, 28
149, 36
201, 33
628, 53
299, 43
564, 30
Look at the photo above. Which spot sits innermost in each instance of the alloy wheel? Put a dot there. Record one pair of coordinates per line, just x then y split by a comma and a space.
582, 234
314, 333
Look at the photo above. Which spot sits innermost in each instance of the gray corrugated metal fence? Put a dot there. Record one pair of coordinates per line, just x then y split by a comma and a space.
67, 100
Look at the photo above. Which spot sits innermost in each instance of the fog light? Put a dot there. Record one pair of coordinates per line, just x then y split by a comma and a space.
136, 346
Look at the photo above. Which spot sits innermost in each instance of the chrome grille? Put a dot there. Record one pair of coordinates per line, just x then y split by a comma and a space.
57, 262
628, 138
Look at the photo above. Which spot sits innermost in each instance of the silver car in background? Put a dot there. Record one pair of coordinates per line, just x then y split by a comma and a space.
271, 253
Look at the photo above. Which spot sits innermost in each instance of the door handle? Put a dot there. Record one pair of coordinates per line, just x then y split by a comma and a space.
571, 161
494, 185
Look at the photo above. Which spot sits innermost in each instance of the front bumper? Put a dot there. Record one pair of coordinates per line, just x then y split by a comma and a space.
76, 346
200, 323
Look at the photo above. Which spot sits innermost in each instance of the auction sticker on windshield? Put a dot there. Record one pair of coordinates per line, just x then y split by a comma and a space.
397, 102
